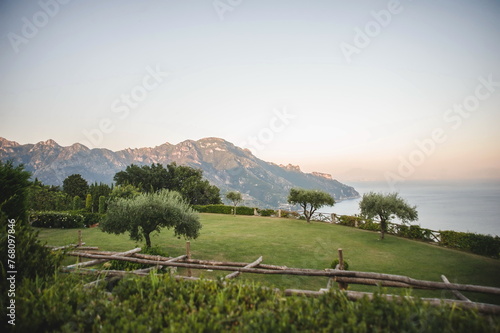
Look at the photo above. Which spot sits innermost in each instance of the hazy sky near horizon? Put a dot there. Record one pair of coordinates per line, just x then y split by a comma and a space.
359, 89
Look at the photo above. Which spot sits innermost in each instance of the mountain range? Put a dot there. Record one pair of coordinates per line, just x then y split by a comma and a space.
262, 184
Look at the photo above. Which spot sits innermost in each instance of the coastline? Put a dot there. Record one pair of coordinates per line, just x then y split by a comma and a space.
459, 205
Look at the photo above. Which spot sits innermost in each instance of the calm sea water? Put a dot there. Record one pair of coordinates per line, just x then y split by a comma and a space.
469, 206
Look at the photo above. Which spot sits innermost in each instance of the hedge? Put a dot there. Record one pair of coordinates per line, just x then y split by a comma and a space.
223, 209
57, 220
485, 245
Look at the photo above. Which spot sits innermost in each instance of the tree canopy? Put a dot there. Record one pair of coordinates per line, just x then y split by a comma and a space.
186, 180
75, 185
310, 200
14, 183
385, 207
235, 197
148, 212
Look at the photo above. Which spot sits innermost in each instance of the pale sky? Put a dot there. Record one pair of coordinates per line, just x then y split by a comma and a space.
359, 89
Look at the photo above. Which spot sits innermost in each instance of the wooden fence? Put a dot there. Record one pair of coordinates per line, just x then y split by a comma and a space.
342, 277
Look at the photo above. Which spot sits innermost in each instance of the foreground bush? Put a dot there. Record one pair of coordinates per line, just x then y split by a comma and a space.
160, 303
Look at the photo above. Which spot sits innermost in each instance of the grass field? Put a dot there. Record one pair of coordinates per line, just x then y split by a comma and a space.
295, 243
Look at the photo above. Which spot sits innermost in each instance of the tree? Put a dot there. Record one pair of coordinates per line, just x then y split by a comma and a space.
75, 185
124, 192
88, 202
183, 179
148, 212
235, 197
14, 184
102, 204
31, 258
385, 207
45, 197
146, 178
310, 200
97, 190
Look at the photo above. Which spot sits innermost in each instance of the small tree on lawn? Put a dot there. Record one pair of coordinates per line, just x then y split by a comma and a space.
385, 207
236, 198
148, 212
310, 200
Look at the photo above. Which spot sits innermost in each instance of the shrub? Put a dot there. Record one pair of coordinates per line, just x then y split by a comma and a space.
267, 212
289, 214
336, 262
57, 220
349, 220
160, 304
89, 218
369, 225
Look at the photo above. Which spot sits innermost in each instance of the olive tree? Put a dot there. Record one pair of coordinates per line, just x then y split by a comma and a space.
235, 197
148, 212
310, 200
385, 207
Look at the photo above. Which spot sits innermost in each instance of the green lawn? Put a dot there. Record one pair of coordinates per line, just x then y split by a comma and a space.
295, 243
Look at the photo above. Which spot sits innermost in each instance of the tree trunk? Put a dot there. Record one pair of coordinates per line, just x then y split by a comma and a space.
383, 227
148, 239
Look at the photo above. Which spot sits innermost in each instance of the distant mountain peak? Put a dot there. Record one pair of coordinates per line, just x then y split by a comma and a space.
48, 143
291, 167
231, 168
322, 175
6, 143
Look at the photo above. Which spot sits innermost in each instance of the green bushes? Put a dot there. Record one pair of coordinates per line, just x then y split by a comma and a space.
350, 221
90, 218
160, 303
289, 214
336, 262
485, 245
223, 209
57, 220
69, 219
267, 212
369, 225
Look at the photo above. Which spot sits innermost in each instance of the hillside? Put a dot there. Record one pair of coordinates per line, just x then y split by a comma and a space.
231, 168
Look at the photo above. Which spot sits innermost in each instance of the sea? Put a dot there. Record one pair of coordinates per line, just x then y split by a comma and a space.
467, 206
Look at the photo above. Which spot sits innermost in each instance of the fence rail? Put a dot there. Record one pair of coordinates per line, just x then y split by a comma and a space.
342, 277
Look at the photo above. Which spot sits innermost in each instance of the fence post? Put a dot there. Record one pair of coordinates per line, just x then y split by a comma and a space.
79, 238
279, 212
342, 285
188, 253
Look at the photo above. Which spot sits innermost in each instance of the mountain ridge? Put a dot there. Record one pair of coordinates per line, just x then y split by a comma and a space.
231, 168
